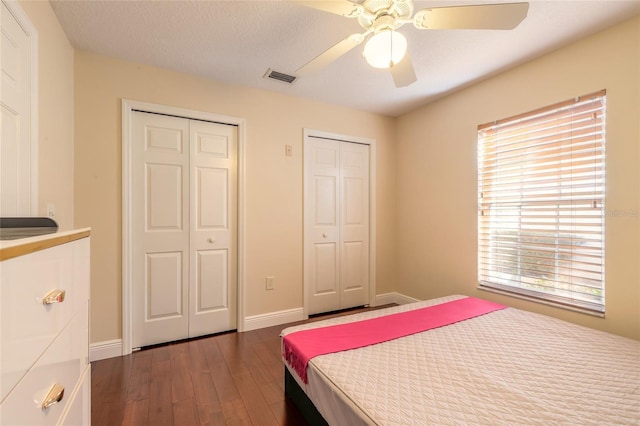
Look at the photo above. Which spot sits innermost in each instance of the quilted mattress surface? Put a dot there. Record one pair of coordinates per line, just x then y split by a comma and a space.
507, 367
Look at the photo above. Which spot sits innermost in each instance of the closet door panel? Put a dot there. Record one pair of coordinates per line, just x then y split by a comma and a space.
213, 231
164, 286
354, 225
211, 289
164, 197
213, 184
160, 229
321, 248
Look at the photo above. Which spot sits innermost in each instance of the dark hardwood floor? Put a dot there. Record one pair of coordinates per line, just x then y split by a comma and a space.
226, 379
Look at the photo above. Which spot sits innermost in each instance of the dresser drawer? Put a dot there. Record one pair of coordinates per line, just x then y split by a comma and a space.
62, 363
28, 325
78, 411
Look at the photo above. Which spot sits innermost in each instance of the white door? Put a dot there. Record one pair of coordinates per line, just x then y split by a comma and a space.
183, 228
354, 225
336, 215
213, 228
17, 156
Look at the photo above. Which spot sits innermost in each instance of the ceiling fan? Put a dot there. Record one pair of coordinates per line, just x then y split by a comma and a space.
386, 47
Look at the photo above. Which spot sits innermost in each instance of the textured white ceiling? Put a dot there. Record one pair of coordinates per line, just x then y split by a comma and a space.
237, 41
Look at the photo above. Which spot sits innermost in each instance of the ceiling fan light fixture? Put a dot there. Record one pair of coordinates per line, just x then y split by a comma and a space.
385, 49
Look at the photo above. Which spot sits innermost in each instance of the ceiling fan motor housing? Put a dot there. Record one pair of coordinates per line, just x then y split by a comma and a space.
385, 14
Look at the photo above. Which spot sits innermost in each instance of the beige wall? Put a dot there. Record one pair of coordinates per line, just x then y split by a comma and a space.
436, 165
55, 113
273, 181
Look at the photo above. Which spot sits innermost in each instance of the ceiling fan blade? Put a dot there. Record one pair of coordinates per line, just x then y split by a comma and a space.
339, 7
505, 16
331, 54
403, 73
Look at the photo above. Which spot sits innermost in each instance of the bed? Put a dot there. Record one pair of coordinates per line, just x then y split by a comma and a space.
507, 366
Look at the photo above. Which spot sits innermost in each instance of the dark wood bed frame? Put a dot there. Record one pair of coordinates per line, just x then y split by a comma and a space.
300, 399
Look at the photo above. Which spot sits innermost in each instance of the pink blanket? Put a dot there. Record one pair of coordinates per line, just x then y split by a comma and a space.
301, 346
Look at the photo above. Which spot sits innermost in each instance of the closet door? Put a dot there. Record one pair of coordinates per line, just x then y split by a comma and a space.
184, 238
322, 230
213, 229
354, 225
336, 215
160, 229
18, 144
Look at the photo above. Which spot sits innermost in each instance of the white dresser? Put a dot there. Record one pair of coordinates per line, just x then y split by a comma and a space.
45, 375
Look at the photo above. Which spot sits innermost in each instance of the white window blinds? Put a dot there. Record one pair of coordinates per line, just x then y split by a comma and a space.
541, 203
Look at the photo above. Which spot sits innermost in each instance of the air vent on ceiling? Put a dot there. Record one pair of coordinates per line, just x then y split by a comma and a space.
280, 76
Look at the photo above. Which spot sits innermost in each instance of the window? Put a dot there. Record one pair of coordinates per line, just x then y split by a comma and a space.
541, 204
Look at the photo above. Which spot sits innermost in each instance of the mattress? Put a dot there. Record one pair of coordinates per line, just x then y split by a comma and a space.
508, 367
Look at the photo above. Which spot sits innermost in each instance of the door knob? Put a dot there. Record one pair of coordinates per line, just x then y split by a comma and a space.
211, 240
324, 235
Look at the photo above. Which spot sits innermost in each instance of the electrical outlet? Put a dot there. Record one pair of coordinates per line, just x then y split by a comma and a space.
51, 210
288, 150
270, 282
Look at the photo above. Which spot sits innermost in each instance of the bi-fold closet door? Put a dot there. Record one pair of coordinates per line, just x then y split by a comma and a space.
336, 222
184, 232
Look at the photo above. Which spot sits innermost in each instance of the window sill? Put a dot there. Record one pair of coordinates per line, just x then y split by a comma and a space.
541, 301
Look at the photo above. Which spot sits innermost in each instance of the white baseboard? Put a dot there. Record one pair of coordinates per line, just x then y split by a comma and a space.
273, 318
104, 350
397, 298
292, 315
113, 348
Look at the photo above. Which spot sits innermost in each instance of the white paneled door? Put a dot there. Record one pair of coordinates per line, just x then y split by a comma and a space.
18, 156
213, 229
336, 216
183, 190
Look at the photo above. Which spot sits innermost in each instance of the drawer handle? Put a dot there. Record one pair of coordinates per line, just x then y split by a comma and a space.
54, 296
55, 395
